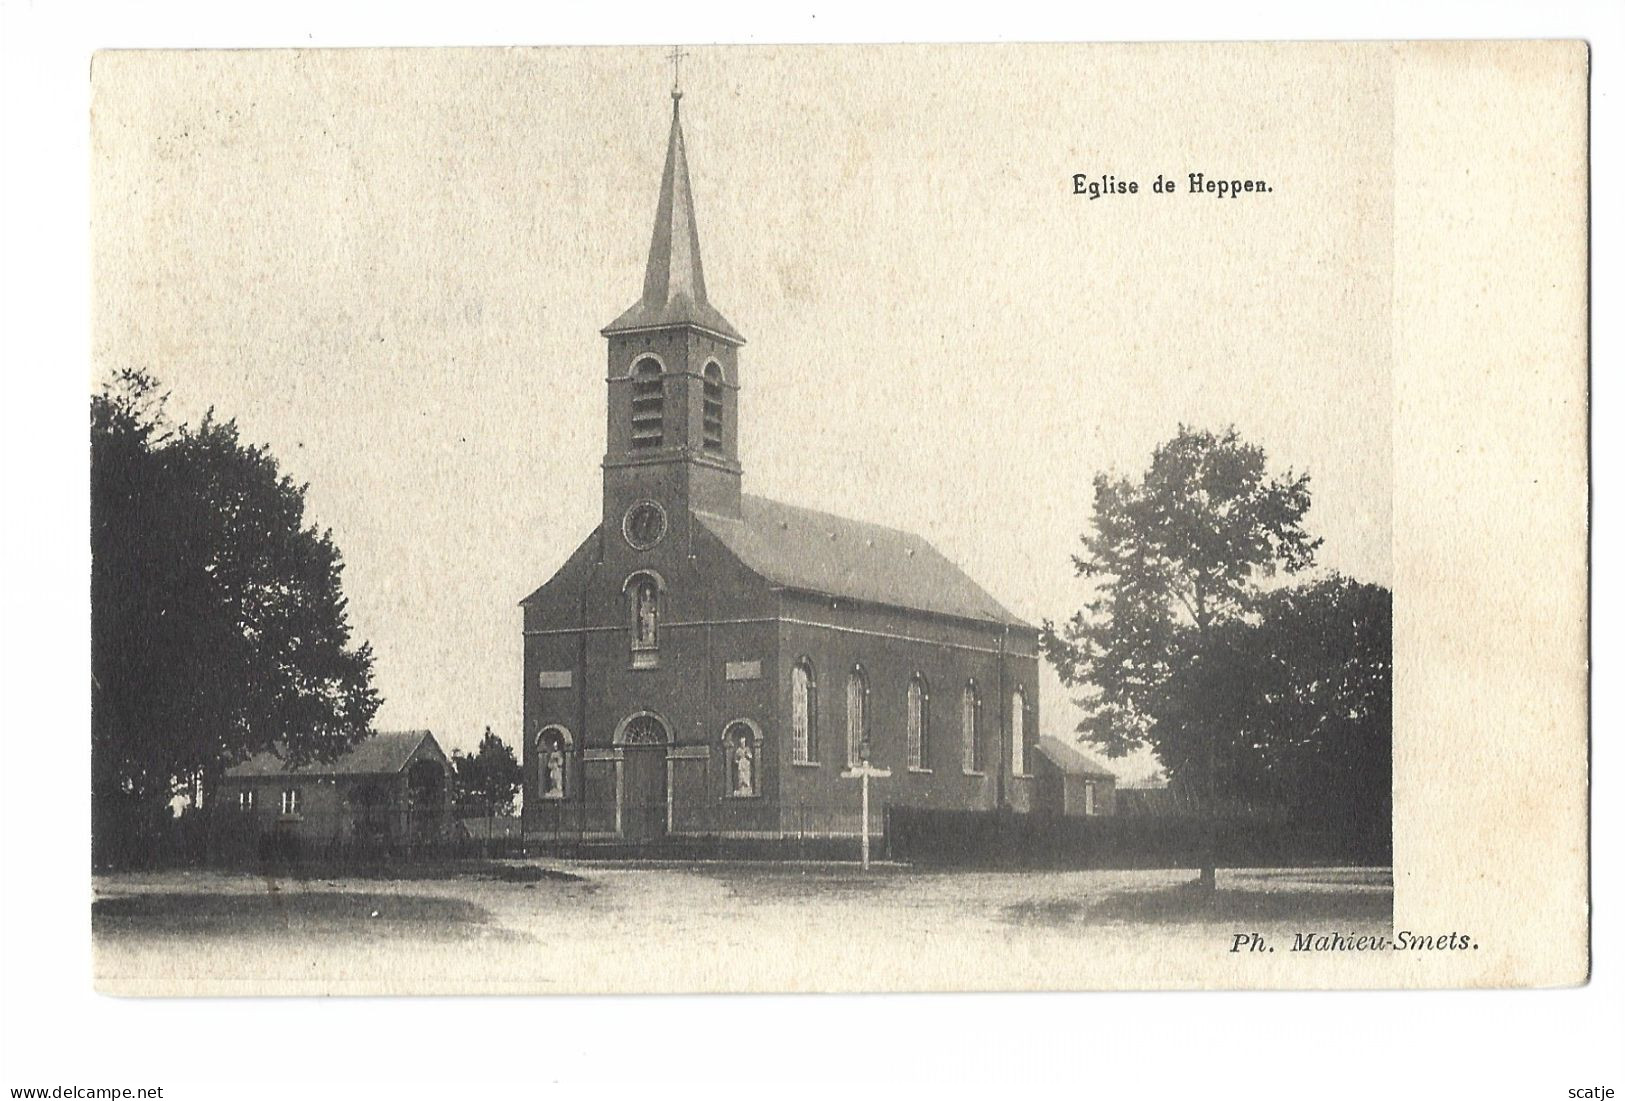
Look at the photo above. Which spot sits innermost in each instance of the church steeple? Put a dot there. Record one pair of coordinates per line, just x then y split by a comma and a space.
674, 281
673, 434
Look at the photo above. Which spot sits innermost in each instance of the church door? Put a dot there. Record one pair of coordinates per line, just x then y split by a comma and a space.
643, 814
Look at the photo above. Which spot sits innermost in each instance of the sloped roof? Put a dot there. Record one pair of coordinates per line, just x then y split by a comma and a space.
385, 753
1073, 761
674, 281
800, 548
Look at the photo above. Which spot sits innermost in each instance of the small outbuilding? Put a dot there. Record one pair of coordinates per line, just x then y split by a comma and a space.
391, 788
1070, 782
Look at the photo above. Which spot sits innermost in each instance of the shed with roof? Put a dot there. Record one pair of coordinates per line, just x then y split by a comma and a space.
1071, 782
391, 787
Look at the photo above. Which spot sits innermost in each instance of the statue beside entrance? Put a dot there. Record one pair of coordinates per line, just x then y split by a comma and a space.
744, 763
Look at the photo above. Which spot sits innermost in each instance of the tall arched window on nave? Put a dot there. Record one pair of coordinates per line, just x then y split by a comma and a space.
803, 713
919, 724
857, 714
970, 736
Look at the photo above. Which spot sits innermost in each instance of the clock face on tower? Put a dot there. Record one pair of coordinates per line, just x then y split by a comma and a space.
644, 525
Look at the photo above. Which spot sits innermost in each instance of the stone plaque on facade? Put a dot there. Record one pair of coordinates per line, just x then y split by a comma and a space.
555, 678
743, 670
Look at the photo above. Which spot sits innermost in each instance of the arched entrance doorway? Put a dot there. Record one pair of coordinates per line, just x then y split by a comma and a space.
643, 794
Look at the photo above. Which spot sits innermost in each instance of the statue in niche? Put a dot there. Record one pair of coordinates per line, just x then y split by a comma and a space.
553, 773
743, 765
645, 613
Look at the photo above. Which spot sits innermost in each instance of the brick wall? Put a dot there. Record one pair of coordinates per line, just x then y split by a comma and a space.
580, 676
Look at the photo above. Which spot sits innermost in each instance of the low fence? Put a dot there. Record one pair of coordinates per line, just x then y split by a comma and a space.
738, 819
138, 842
980, 839
731, 830
1003, 840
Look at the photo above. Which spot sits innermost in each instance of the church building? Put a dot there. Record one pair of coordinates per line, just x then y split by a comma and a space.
709, 662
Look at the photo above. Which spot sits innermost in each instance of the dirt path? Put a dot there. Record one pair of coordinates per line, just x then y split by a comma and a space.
555, 926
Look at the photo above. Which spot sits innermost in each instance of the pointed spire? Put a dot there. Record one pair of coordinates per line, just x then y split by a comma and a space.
675, 272
674, 282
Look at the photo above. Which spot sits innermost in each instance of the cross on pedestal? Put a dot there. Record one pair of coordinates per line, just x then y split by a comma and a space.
863, 771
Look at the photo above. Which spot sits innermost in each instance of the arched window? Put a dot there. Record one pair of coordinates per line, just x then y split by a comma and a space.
919, 724
1018, 732
552, 762
970, 718
742, 746
803, 713
643, 728
648, 404
643, 612
713, 407
857, 714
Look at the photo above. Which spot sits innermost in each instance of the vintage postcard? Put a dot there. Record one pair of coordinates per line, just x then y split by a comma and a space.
849, 518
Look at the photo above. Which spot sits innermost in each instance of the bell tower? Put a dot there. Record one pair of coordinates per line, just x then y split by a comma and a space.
673, 373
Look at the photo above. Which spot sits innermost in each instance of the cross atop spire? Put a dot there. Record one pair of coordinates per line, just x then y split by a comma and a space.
674, 281
676, 58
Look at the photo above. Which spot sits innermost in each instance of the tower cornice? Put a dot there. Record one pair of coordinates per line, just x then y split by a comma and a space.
728, 336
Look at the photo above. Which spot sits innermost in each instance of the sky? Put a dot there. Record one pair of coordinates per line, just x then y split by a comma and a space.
392, 266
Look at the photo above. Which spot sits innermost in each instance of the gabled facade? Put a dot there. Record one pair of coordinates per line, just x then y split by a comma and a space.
709, 661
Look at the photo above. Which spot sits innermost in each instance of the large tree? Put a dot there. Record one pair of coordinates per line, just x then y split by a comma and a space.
488, 779
218, 624
1174, 558
1314, 721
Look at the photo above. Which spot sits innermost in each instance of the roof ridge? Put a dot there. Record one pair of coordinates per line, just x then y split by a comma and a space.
392, 742
843, 517
769, 538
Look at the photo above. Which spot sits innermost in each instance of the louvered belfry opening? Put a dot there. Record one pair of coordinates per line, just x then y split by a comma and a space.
648, 405
713, 407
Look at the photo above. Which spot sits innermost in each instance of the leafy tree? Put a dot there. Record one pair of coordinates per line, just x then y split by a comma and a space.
488, 779
1315, 725
218, 625
1174, 559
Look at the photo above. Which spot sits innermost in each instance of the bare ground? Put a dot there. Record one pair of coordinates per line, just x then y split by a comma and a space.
511, 926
